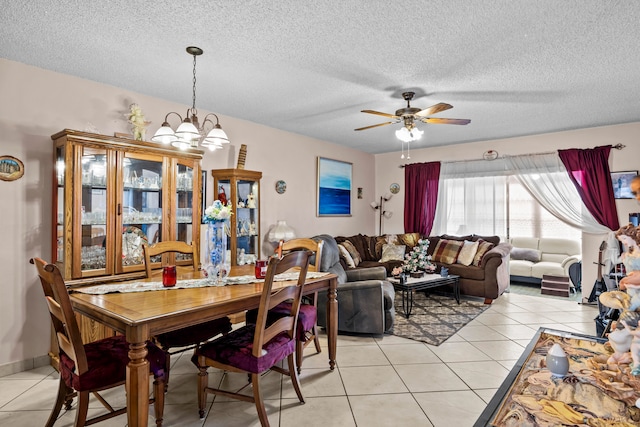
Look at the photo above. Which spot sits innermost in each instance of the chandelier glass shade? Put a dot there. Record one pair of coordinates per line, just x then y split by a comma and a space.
189, 133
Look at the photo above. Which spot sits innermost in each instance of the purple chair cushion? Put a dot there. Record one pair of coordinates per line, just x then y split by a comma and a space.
307, 316
235, 349
107, 360
194, 334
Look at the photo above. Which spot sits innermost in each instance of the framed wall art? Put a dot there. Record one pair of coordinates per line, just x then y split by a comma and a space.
10, 168
621, 181
334, 187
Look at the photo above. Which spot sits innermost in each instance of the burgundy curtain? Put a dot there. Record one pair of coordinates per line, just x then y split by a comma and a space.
421, 195
589, 171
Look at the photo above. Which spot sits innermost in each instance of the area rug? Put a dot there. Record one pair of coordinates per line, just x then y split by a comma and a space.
435, 317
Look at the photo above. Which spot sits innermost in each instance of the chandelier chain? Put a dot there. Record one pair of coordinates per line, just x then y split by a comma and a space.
194, 82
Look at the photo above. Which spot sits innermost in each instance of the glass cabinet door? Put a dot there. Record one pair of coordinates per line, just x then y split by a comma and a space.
93, 210
141, 207
59, 246
247, 221
184, 208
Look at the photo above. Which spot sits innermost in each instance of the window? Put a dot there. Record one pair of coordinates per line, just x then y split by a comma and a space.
494, 205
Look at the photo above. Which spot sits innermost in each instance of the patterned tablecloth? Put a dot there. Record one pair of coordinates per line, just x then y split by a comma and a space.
191, 283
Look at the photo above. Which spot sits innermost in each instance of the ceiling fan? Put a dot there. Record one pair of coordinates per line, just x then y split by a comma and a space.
411, 115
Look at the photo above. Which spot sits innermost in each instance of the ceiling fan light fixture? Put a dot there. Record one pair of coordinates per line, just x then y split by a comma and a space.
407, 135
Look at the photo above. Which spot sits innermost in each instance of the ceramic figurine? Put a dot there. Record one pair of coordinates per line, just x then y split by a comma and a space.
251, 201
557, 361
222, 196
138, 122
630, 321
620, 341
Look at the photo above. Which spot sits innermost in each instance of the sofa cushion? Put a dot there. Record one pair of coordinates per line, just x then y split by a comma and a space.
467, 253
346, 256
541, 268
470, 272
447, 251
483, 248
526, 254
518, 267
393, 253
491, 239
355, 254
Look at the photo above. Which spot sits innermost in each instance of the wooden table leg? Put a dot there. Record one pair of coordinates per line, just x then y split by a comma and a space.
332, 321
137, 385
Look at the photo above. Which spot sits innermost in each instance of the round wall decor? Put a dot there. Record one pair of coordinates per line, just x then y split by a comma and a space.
281, 187
490, 155
394, 188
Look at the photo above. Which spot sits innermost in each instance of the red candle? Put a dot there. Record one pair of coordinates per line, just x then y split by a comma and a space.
169, 276
261, 269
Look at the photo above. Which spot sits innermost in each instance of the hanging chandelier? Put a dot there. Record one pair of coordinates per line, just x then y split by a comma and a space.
407, 134
189, 133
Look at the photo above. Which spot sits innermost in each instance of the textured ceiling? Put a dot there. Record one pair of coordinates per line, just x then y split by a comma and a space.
514, 67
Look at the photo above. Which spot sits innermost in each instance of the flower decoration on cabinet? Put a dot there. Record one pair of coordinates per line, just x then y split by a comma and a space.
418, 260
217, 212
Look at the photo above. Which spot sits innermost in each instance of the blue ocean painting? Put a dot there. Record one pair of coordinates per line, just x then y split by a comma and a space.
334, 187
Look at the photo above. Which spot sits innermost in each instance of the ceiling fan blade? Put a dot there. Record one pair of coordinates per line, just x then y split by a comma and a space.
392, 116
434, 109
375, 126
438, 121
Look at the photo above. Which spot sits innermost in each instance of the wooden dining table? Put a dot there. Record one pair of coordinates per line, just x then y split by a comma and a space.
141, 315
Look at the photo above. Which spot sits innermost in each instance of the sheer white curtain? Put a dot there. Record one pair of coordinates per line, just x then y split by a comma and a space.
546, 178
471, 198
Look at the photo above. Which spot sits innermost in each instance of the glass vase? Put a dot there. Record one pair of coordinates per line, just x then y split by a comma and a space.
217, 266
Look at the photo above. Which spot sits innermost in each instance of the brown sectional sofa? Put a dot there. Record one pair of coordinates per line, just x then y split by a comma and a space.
488, 280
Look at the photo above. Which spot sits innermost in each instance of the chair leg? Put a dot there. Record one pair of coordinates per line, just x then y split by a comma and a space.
316, 340
293, 373
299, 353
167, 367
63, 393
203, 381
158, 397
257, 397
83, 408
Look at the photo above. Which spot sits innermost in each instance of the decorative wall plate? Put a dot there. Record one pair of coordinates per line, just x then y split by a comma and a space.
490, 155
281, 187
394, 188
11, 168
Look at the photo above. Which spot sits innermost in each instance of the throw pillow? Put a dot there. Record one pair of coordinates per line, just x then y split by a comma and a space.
344, 254
447, 251
393, 253
355, 255
526, 254
467, 253
483, 248
408, 239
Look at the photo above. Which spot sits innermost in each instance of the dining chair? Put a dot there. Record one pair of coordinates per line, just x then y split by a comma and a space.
308, 317
93, 367
189, 337
256, 348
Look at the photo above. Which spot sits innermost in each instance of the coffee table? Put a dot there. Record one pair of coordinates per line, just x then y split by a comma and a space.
427, 281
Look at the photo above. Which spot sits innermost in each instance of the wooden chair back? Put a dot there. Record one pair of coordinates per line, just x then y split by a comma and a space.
162, 248
62, 316
302, 244
296, 260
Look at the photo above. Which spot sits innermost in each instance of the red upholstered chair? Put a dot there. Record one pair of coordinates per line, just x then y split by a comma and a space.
188, 337
308, 316
256, 348
93, 367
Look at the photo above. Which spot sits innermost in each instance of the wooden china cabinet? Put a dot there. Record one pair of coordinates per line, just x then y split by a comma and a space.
241, 188
111, 195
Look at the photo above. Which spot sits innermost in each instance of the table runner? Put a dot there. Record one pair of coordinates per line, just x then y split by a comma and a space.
191, 283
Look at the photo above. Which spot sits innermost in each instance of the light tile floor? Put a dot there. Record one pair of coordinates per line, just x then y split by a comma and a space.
378, 381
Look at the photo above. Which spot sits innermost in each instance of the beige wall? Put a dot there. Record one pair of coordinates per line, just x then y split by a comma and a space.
388, 171
37, 103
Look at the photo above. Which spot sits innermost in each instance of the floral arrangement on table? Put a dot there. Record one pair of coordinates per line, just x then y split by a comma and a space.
217, 212
417, 260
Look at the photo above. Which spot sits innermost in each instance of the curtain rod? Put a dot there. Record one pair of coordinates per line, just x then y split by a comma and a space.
617, 147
